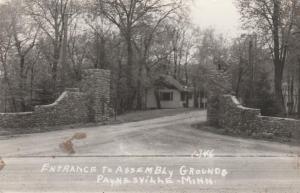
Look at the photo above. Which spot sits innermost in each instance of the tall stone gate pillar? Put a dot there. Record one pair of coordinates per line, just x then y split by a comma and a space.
220, 83
213, 110
96, 84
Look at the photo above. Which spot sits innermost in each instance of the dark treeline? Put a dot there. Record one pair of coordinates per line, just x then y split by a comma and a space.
46, 44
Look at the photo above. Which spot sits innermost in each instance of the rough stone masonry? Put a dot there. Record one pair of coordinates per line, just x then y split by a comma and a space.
89, 103
228, 113
225, 112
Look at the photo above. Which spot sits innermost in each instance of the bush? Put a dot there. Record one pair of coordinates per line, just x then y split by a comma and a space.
263, 98
268, 105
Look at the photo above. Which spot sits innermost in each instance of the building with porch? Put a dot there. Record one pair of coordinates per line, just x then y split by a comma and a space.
168, 93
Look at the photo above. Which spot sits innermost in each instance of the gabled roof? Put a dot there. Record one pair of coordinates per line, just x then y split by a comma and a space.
170, 82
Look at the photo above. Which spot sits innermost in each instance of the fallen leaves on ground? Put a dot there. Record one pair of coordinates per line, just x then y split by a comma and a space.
67, 147
2, 164
79, 136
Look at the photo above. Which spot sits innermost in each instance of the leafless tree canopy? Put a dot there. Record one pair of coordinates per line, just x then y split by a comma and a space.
46, 44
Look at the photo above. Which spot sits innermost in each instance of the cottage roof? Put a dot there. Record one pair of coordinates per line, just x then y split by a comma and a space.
170, 82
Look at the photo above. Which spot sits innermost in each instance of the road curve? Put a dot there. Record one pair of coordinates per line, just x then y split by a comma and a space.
166, 143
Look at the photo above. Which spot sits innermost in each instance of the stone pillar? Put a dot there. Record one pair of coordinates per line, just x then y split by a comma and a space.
96, 85
219, 83
213, 110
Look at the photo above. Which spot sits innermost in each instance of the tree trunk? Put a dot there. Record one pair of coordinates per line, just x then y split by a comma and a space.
299, 100
187, 82
130, 94
278, 63
56, 58
240, 74
103, 62
140, 87
290, 97
10, 89
278, 86
54, 69
100, 52
65, 75
299, 86
157, 98
196, 98
22, 85
175, 61
12, 97
31, 85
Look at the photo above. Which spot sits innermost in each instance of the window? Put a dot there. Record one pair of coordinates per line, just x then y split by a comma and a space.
166, 96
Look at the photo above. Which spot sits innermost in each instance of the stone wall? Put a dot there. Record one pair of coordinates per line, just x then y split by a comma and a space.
219, 84
229, 114
16, 120
89, 103
96, 83
69, 108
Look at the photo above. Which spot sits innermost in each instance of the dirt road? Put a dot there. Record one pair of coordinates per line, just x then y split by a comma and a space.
185, 160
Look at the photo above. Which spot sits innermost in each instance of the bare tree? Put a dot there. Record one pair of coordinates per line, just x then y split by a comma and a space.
54, 17
6, 45
126, 16
24, 36
272, 19
295, 48
145, 42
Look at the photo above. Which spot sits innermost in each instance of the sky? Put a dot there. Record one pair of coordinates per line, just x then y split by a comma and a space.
219, 14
